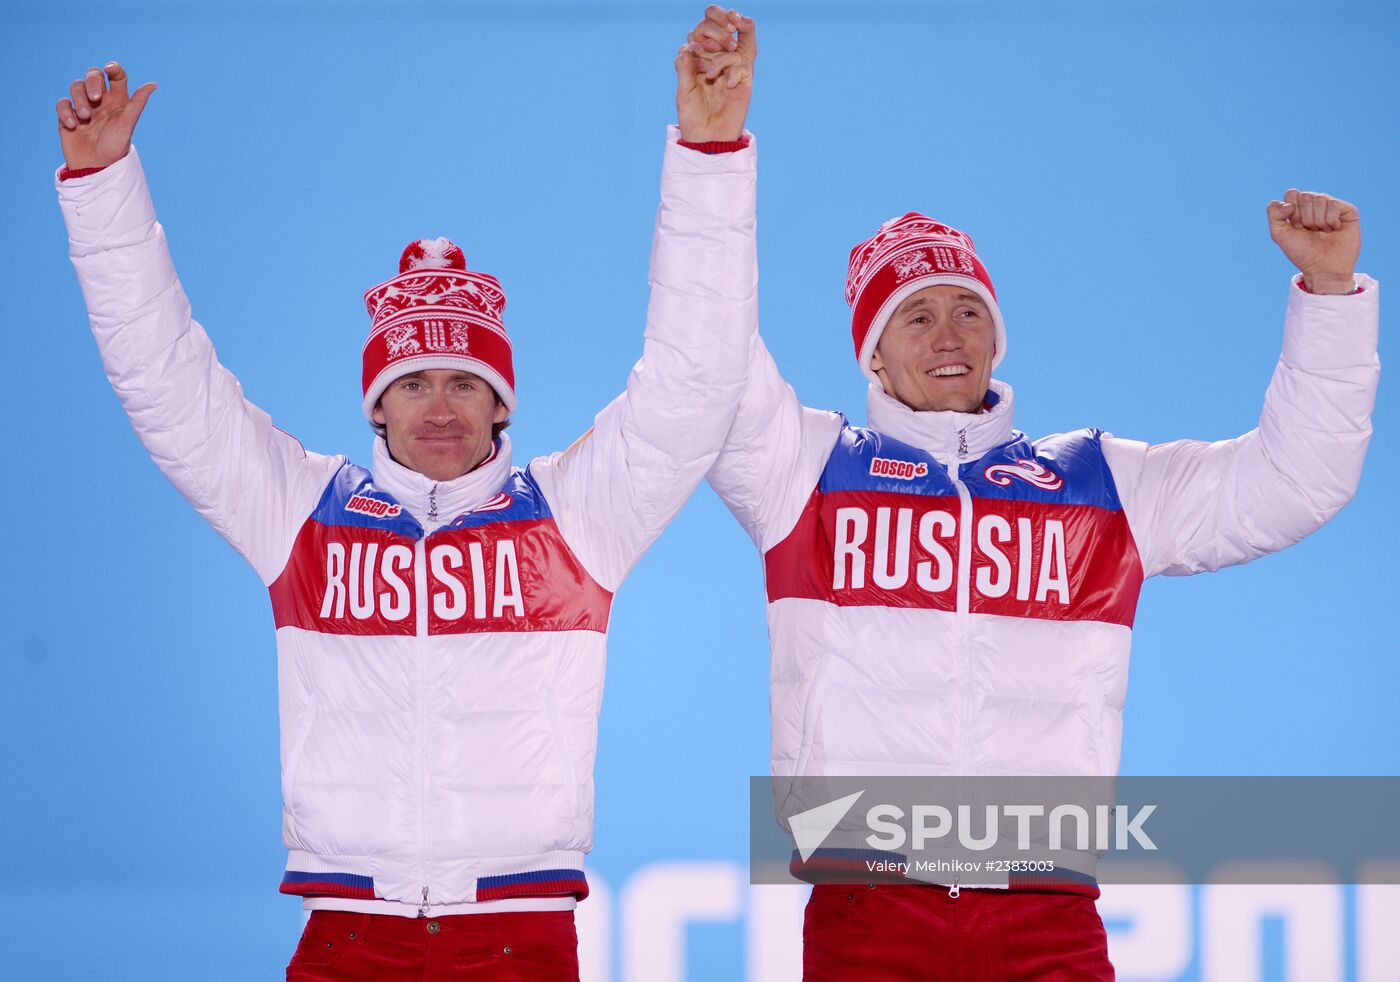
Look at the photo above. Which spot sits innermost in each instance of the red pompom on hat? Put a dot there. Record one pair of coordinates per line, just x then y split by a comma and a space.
909, 254
436, 314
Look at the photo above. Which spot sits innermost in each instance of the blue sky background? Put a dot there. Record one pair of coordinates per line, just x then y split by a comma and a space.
1112, 160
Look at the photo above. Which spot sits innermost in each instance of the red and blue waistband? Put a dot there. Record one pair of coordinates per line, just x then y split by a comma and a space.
354, 886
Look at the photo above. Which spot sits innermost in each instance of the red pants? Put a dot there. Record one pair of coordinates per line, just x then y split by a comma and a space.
900, 933
517, 947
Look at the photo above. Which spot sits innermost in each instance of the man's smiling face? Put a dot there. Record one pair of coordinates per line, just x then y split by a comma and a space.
936, 352
438, 421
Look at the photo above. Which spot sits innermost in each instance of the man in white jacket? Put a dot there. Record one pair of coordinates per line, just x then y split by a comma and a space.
948, 597
441, 616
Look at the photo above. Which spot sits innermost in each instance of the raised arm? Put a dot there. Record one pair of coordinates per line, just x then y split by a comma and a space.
775, 450
253, 483
618, 486
773, 455
1195, 506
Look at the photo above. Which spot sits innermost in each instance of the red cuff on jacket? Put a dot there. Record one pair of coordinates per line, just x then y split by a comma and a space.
1303, 285
717, 146
65, 172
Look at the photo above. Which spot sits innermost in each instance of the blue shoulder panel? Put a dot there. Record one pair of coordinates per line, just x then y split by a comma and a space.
867, 460
1062, 469
519, 500
352, 499
1065, 469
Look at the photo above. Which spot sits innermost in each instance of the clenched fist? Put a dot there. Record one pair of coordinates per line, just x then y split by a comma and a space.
714, 76
96, 122
1319, 234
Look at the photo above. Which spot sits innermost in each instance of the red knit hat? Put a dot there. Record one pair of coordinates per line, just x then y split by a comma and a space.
436, 314
909, 254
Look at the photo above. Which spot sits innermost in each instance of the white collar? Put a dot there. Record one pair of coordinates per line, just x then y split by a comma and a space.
952, 438
435, 503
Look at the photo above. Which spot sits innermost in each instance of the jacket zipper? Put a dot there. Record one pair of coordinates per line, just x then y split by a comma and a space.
964, 584
964, 540
420, 586
420, 578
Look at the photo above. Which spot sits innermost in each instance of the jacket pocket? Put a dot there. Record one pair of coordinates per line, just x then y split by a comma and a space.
566, 755
296, 751
811, 711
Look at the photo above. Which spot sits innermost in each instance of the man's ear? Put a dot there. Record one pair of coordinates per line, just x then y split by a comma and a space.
499, 416
377, 414
877, 364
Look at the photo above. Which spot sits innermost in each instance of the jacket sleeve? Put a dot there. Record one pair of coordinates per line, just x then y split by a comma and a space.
253, 483
774, 454
618, 486
1195, 506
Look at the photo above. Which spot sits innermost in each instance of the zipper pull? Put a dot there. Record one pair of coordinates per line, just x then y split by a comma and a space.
953, 891
423, 910
432, 504
962, 443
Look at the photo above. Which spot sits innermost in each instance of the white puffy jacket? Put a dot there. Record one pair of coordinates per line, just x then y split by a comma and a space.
947, 597
440, 644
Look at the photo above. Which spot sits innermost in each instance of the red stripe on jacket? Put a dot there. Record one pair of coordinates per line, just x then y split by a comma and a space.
1029, 559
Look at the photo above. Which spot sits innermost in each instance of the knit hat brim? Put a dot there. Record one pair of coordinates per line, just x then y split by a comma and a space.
882, 316
407, 366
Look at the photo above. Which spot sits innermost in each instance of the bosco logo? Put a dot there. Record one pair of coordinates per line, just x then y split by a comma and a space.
372, 507
903, 469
